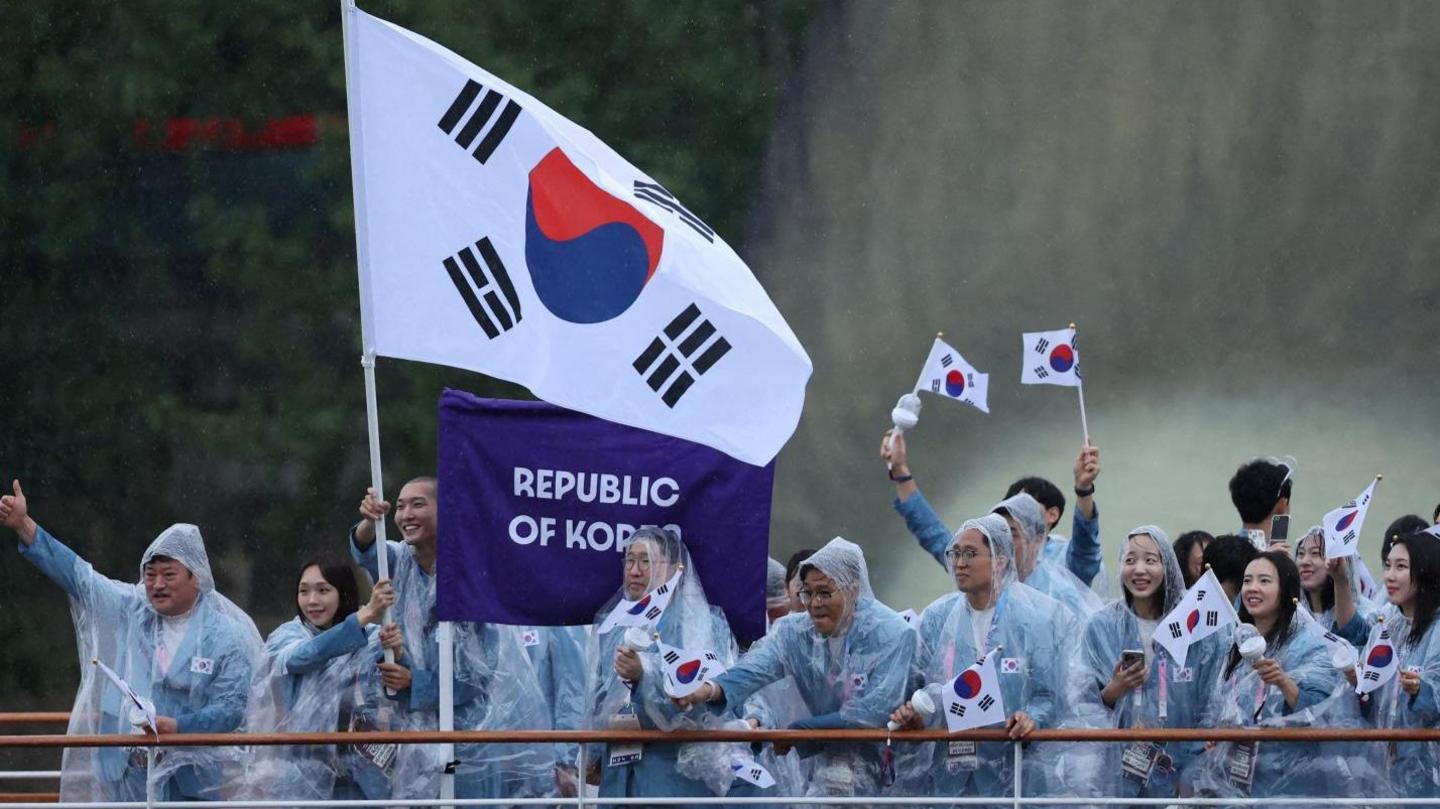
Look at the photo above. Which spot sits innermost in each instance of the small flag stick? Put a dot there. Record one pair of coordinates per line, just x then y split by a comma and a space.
1080, 388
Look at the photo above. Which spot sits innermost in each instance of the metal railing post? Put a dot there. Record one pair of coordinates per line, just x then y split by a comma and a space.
1019, 760
580, 776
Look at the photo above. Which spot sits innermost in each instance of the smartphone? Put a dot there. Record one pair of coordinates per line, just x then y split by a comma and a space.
1279, 528
1129, 657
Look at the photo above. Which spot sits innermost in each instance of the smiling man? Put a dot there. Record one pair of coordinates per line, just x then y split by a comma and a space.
183, 648
495, 684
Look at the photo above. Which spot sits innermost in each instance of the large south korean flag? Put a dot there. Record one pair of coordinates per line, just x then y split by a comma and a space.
497, 236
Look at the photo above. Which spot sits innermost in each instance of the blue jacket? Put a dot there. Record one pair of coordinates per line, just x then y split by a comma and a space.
205, 689
1082, 553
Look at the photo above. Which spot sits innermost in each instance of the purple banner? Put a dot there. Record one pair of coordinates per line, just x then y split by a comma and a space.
537, 504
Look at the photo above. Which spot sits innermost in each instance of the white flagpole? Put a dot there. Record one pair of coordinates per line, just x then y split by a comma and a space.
445, 639
367, 359
1080, 388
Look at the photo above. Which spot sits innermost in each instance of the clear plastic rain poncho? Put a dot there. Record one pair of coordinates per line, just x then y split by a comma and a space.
1029, 628
850, 676
653, 557
1312, 544
1411, 769
318, 681
204, 687
1048, 575
1173, 696
558, 655
495, 688
1239, 698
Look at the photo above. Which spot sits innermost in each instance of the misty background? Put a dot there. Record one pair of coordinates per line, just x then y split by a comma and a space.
1238, 204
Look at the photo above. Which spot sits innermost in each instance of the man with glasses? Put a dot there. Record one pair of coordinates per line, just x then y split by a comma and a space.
850, 659
991, 610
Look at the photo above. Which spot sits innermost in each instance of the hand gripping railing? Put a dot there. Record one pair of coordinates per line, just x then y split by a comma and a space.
791, 737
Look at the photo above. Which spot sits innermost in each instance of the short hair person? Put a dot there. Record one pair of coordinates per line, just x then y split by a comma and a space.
174, 639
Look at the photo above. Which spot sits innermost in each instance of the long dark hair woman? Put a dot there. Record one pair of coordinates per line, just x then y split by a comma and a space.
1408, 700
1269, 687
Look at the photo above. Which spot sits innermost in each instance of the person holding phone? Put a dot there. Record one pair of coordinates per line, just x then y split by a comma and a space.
1126, 680
1260, 491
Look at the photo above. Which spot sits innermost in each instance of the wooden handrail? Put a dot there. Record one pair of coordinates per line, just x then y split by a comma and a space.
782, 736
36, 718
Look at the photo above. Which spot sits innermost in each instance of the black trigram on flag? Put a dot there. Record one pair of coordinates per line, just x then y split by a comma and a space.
1349, 537
935, 386
677, 357
466, 134
656, 193
1041, 371
1332, 637
1212, 618
1200, 594
1175, 630
946, 361
957, 709
1042, 346
662, 589
1372, 676
671, 657
986, 701
756, 773
711, 657
482, 291
652, 613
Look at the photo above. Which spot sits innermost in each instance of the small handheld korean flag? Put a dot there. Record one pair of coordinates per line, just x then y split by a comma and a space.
646, 611
750, 771
1342, 526
1308, 621
141, 711
1379, 663
686, 671
1051, 358
1200, 614
947, 374
973, 698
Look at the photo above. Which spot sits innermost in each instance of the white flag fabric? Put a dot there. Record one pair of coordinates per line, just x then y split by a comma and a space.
1200, 614
136, 705
686, 671
1342, 526
1308, 620
644, 612
497, 236
1379, 663
750, 771
947, 374
1050, 358
909, 616
973, 698
1433, 531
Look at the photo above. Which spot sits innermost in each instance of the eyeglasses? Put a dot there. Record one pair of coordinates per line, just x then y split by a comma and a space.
818, 596
967, 555
637, 563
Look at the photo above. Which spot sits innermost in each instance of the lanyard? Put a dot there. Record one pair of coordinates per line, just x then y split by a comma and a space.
1163, 669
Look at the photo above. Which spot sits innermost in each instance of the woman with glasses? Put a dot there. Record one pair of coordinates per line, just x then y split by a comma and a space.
850, 658
627, 688
991, 610
1126, 680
